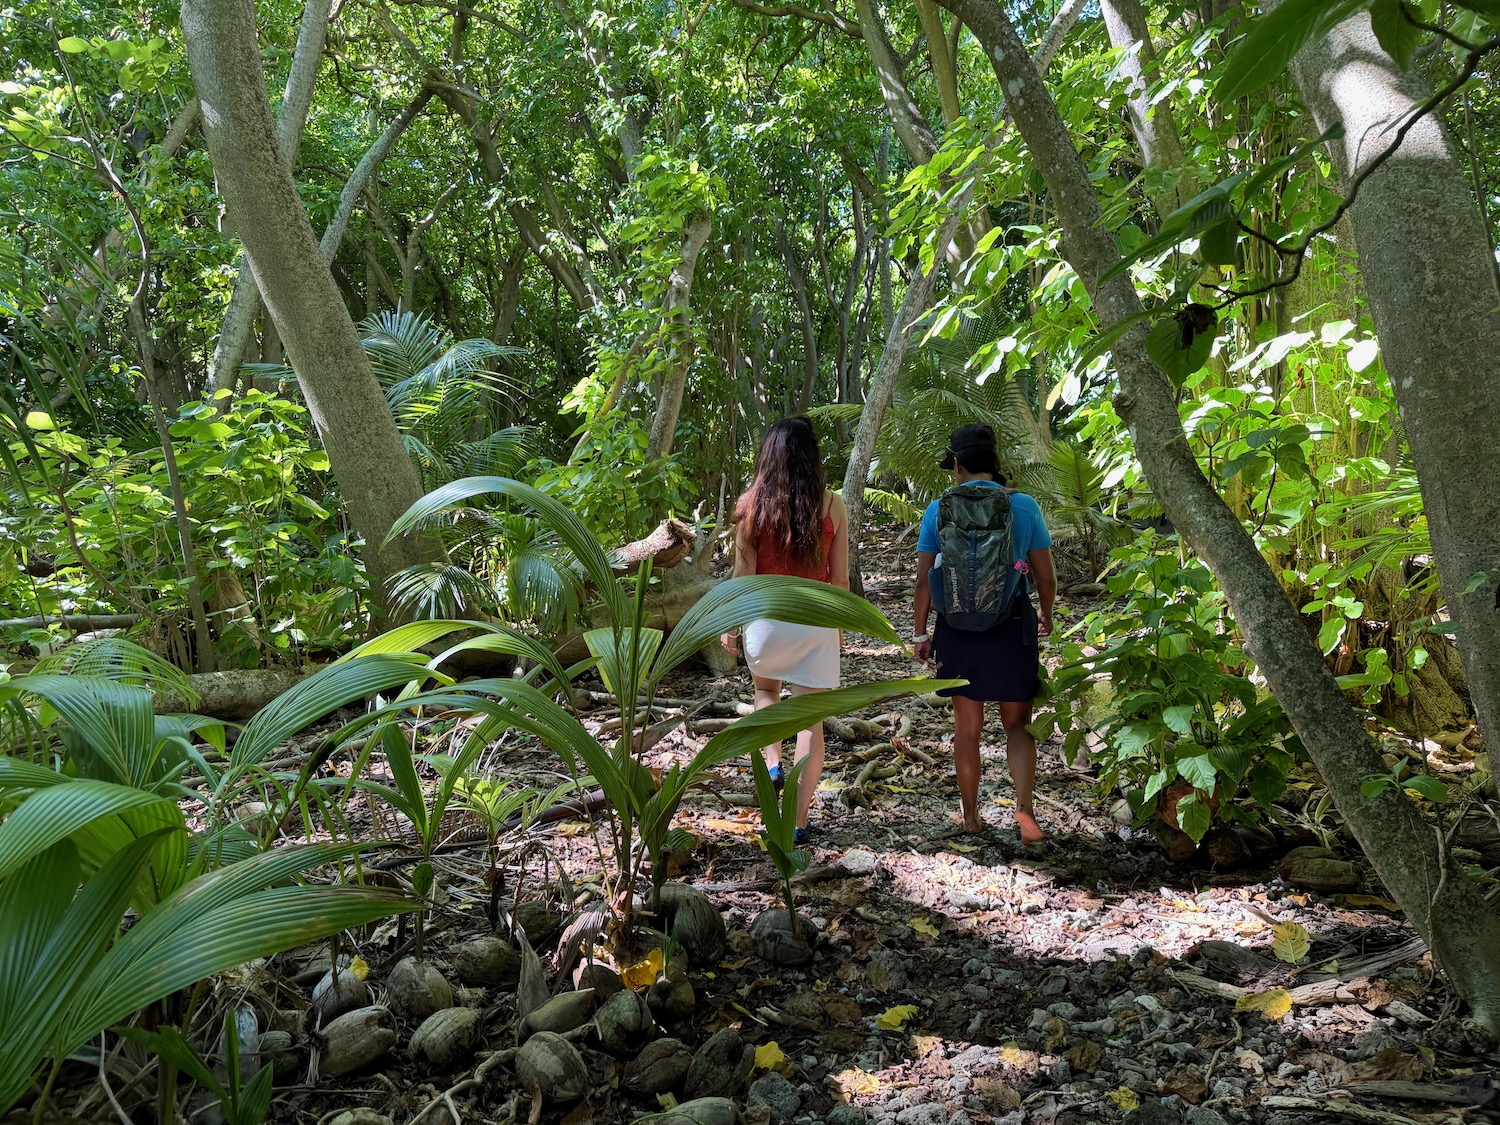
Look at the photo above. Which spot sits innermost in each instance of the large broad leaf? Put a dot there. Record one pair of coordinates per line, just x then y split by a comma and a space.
739, 601
1274, 40
555, 515
52, 934
784, 719
312, 699
113, 735
220, 920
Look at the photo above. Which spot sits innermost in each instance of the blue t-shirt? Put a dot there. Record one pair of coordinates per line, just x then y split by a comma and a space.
1028, 530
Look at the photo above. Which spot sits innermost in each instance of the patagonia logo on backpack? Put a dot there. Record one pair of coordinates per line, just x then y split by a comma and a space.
975, 581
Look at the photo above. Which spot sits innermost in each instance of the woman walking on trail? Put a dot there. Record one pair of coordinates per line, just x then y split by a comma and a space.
787, 522
978, 546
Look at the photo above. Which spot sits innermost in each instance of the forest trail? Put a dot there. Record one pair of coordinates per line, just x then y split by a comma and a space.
973, 979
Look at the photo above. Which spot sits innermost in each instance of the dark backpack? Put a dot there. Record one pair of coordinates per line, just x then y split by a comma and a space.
975, 585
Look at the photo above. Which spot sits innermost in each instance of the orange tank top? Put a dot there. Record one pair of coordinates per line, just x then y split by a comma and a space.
769, 560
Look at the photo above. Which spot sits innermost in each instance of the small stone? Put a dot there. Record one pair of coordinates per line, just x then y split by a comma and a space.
844, 1115
967, 902
929, 1114
777, 1094
959, 1117
975, 968
1203, 1115
1148, 1002
859, 862
361, 1116
1064, 1011
1039, 1018
972, 1059
1155, 1111
977, 993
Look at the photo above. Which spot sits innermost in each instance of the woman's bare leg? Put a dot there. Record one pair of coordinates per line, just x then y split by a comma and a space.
768, 692
968, 725
809, 751
1020, 754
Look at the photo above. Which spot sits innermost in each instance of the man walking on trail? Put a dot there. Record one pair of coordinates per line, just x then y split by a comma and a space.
981, 548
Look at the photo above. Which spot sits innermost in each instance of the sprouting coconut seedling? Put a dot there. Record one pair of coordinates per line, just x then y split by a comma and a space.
778, 816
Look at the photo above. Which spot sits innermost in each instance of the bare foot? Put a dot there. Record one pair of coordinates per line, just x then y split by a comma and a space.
965, 826
1031, 831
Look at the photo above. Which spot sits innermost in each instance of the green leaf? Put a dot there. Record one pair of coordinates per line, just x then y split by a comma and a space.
1429, 787
1198, 771
1219, 244
1179, 718
1165, 347
72, 45
1274, 40
1395, 32
1194, 817
1330, 634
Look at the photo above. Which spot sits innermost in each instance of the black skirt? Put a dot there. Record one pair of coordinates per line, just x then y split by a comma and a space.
1002, 665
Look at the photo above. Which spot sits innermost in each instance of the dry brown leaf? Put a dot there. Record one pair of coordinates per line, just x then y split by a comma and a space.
1085, 1056
855, 1083
1187, 1083
1054, 1035
925, 1045
1389, 1065
840, 1008
998, 1093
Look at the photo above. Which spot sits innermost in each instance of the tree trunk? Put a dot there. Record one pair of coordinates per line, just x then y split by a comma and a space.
917, 301
1429, 274
244, 302
674, 315
354, 187
1154, 126
376, 477
1442, 901
798, 282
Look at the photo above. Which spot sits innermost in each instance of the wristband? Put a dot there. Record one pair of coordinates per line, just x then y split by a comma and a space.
920, 639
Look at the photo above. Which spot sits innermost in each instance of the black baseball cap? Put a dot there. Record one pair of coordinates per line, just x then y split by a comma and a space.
977, 437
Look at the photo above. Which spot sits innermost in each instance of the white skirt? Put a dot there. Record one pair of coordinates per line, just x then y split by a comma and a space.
805, 655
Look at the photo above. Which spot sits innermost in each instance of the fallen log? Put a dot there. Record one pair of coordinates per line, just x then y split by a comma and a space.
76, 623
235, 694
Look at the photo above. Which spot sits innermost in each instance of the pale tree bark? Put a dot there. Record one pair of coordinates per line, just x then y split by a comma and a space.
1442, 901
1155, 127
1429, 273
676, 321
364, 172
912, 130
914, 306
376, 478
245, 301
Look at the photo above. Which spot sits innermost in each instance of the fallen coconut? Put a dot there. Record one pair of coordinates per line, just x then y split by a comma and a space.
360, 1116
550, 1063
700, 1111
416, 989
487, 962
448, 1038
538, 920
772, 938
566, 1011
336, 994
355, 1039
277, 1050
661, 1066
671, 1000
600, 977
624, 1023
694, 921
721, 1068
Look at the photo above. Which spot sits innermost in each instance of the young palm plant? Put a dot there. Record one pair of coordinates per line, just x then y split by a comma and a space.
633, 659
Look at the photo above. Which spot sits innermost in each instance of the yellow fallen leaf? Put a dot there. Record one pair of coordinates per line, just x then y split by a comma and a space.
856, 1082
892, 1019
642, 975
1124, 1098
1005, 802
923, 926
667, 1101
964, 848
1289, 942
359, 968
900, 789
828, 785
769, 1056
1273, 1004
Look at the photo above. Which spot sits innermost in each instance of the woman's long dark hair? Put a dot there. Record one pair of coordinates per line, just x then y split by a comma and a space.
784, 502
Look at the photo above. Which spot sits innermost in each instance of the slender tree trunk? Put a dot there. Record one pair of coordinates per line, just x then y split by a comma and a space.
376, 477
358, 179
245, 302
1439, 897
1154, 126
914, 305
798, 282
676, 311
1429, 273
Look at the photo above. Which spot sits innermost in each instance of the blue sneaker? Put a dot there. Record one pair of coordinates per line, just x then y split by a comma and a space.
778, 776
802, 837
